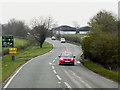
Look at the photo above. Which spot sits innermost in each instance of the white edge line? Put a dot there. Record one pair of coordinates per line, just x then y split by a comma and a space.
16, 74
81, 80
67, 85
58, 77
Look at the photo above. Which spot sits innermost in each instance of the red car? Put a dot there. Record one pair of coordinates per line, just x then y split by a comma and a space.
66, 58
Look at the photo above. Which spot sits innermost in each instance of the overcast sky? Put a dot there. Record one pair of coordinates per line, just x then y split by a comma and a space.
63, 12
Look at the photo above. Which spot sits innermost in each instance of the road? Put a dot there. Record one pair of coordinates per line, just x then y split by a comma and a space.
45, 72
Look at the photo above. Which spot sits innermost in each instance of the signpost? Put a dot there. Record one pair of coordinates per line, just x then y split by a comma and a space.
8, 42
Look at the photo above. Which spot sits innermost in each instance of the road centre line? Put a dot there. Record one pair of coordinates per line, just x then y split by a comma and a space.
68, 86
53, 67
58, 77
53, 60
59, 82
50, 63
54, 71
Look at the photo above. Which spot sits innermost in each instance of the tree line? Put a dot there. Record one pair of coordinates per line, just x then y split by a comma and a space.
101, 45
39, 30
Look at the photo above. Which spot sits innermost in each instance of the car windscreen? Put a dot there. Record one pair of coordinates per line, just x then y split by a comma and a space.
66, 55
62, 39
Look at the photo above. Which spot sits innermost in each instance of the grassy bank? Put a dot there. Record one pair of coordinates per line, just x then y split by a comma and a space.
102, 71
9, 66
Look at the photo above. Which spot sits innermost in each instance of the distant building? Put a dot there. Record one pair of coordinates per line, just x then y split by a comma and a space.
70, 30
84, 30
64, 30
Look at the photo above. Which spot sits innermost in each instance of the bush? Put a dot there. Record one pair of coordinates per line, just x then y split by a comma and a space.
73, 39
102, 44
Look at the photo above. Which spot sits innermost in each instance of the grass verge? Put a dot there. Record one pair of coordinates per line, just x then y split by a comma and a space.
102, 71
8, 66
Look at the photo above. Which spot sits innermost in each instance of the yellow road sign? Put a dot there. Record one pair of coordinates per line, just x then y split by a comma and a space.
12, 50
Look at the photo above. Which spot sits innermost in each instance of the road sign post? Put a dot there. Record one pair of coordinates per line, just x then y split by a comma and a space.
13, 57
13, 50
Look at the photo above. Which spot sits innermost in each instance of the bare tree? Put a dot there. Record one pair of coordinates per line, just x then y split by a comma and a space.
40, 28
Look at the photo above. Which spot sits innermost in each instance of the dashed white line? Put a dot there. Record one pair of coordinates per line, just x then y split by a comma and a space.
53, 67
53, 60
68, 86
54, 71
78, 61
50, 63
58, 77
59, 82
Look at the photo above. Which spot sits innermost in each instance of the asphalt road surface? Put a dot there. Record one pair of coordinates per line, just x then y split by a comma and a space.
44, 71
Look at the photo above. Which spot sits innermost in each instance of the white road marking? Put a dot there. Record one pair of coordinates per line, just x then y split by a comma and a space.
107, 79
53, 60
78, 61
58, 77
54, 71
88, 86
68, 86
53, 67
59, 82
50, 63
16, 74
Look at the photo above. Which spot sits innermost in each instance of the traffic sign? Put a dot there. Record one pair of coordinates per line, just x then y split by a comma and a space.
7, 41
12, 50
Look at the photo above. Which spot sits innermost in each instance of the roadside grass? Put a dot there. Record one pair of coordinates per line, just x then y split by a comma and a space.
8, 66
102, 71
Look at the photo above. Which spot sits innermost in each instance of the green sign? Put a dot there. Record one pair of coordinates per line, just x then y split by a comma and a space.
7, 41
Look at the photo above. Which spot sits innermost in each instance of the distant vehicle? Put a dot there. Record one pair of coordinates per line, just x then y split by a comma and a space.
62, 40
53, 38
66, 58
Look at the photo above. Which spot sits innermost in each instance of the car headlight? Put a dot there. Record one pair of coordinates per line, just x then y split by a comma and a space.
61, 58
71, 58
